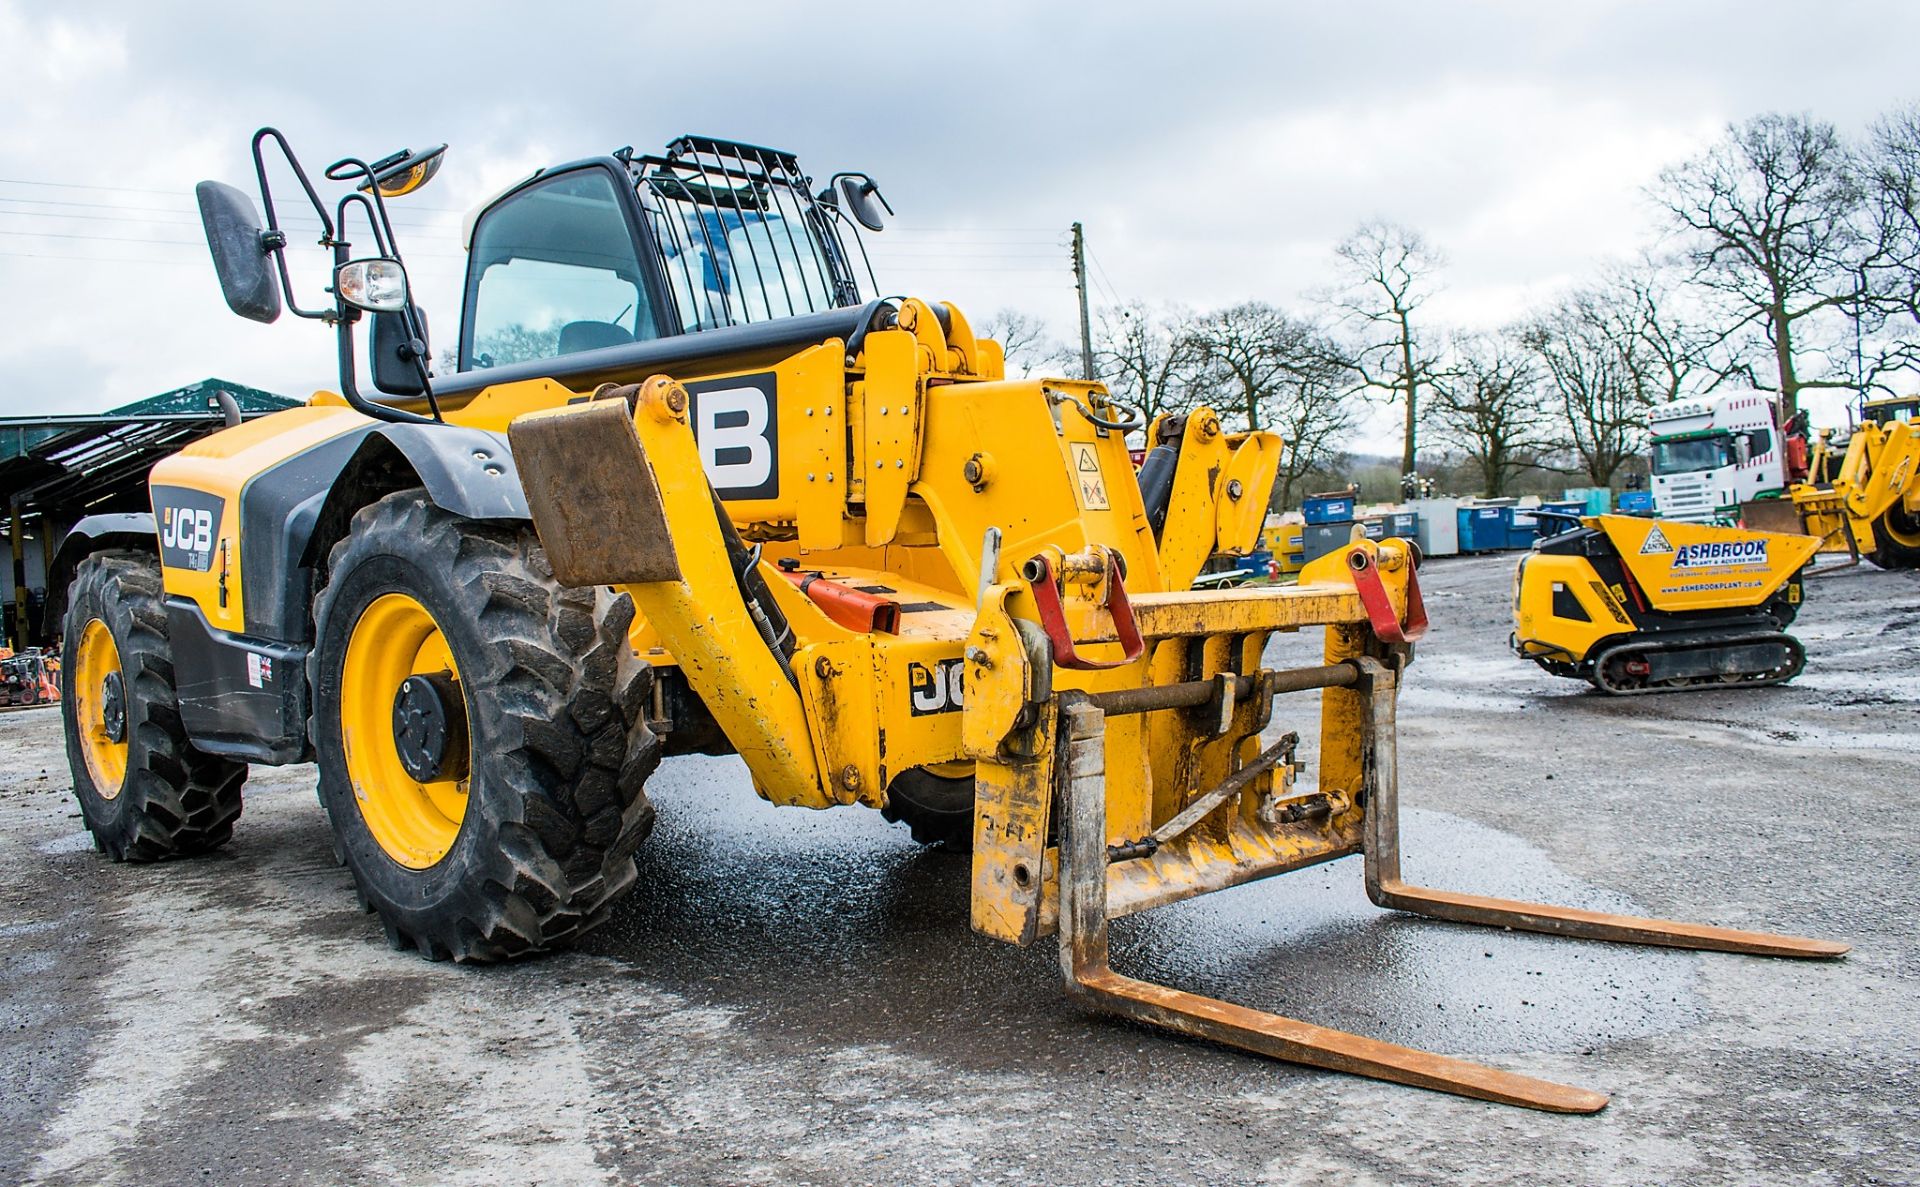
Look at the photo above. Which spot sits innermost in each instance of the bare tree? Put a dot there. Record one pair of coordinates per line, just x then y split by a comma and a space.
1893, 280
1776, 224
1244, 350
1609, 351
1488, 404
1023, 339
1270, 370
1674, 349
1589, 371
1312, 409
1146, 357
1390, 272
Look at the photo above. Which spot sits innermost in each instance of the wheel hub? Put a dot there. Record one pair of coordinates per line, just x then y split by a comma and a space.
113, 708
430, 727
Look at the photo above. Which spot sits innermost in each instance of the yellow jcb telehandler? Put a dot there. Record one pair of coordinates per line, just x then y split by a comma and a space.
694, 487
1870, 505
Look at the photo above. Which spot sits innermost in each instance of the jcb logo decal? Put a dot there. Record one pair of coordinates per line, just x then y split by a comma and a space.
935, 689
187, 520
188, 528
737, 425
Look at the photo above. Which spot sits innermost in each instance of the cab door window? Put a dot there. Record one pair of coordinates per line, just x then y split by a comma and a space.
553, 272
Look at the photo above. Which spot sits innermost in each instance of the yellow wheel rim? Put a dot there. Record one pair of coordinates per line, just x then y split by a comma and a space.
415, 823
1890, 524
100, 708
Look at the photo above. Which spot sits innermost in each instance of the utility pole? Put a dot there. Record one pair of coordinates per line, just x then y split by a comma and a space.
1080, 283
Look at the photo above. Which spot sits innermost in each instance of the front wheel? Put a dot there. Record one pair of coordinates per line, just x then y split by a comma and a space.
1896, 540
936, 805
480, 734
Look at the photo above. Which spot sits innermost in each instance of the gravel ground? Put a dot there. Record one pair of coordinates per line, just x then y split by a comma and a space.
794, 997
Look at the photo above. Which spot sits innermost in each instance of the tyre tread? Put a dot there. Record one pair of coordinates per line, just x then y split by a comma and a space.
559, 746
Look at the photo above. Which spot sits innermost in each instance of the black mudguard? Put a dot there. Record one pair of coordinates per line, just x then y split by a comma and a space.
134, 530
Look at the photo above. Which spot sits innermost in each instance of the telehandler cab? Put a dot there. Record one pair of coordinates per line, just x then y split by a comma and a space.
694, 486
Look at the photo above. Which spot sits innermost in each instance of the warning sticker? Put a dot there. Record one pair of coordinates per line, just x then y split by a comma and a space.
1086, 469
1656, 542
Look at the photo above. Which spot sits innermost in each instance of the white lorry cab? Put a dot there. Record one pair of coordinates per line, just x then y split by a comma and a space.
1710, 456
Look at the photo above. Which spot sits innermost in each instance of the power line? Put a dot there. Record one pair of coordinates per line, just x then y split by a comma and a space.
102, 218
104, 238
186, 210
123, 189
34, 255
1104, 280
412, 233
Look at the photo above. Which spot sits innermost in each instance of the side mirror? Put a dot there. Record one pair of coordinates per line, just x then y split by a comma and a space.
859, 195
398, 358
239, 251
404, 171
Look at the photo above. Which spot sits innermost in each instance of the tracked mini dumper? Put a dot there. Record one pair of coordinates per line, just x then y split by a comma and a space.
1636, 606
759, 511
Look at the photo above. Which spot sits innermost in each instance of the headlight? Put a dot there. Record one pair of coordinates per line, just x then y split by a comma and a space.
377, 286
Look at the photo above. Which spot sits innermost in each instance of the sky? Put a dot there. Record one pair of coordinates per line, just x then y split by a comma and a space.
1215, 152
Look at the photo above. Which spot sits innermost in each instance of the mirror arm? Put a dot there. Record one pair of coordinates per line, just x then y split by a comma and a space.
273, 240
350, 389
376, 214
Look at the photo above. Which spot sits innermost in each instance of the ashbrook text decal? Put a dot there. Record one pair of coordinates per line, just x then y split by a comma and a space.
1734, 554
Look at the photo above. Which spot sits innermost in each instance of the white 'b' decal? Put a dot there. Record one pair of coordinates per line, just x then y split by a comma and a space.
721, 444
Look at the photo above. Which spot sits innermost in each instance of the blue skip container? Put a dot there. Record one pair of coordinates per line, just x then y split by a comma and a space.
1327, 508
1485, 529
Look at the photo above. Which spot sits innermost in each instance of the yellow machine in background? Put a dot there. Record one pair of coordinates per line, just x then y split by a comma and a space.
762, 512
1871, 505
1636, 605
1287, 543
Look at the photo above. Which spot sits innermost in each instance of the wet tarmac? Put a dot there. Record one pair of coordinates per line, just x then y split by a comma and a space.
794, 997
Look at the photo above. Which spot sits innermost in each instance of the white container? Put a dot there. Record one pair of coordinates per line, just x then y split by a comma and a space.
1439, 526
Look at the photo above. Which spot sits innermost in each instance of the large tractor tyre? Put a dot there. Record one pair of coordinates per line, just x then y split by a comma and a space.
1896, 540
145, 791
480, 732
937, 808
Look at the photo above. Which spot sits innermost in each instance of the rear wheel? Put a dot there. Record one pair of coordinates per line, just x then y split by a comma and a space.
479, 733
145, 791
1896, 540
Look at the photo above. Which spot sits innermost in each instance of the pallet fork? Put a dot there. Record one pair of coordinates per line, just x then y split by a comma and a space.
1092, 872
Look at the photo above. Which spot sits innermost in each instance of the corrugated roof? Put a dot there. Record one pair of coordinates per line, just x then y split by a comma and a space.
74, 463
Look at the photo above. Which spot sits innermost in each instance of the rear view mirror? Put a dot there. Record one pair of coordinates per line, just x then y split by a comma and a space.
399, 358
859, 196
405, 171
239, 255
